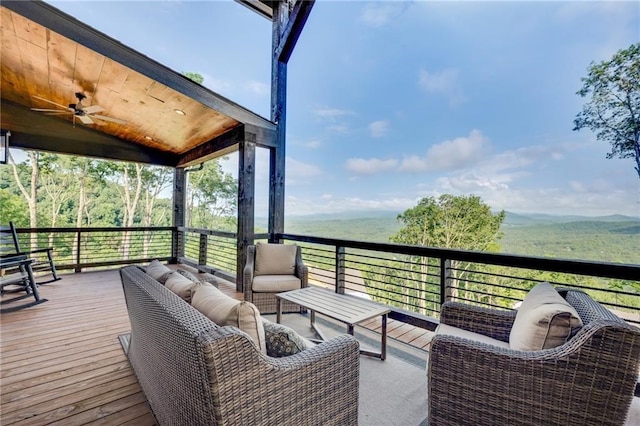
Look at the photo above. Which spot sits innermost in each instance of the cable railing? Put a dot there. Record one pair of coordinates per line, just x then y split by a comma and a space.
415, 281
89, 248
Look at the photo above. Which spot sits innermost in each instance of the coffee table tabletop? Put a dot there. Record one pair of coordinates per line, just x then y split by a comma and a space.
345, 308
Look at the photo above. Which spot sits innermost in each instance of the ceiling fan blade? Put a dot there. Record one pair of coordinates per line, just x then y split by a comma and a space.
58, 113
51, 110
92, 109
51, 102
85, 119
105, 118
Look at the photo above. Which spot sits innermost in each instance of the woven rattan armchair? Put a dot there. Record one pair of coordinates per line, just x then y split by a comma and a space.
588, 380
261, 288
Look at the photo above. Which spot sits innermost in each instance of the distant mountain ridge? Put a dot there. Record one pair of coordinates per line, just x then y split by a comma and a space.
519, 219
612, 238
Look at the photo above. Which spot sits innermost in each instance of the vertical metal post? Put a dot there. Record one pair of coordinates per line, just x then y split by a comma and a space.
445, 280
341, 254
202, 253
78, 245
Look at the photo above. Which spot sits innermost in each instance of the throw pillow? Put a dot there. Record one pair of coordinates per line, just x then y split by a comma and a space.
187, 274
226, 311
282, 340
275, 259
544, 320
181, 286
156, 270
207, 277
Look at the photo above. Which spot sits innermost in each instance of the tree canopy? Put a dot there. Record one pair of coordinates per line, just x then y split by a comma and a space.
613, 110
462, 222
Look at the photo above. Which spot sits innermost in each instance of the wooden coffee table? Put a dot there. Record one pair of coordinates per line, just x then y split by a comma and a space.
345, 308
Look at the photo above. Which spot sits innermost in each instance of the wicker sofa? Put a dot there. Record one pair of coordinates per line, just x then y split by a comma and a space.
194, 372
588, 380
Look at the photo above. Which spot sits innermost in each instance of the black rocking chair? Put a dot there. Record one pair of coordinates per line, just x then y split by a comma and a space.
16, 275
42, 257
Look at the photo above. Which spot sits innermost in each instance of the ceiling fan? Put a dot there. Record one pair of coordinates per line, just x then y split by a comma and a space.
85, 114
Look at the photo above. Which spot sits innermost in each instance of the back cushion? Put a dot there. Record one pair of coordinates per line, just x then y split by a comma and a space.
224, 310
158, 271
544, 320
275, 259
181, 285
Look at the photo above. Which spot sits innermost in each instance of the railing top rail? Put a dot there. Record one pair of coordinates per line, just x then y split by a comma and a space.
578, 267
208, 232
96, 229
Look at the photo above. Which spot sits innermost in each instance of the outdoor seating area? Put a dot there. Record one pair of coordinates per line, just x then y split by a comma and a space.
72, 368
184, 323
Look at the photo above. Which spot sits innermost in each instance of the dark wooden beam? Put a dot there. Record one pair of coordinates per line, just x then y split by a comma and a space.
278, 116
246, 206
35, 131
262, 8
293, 29
58, 21
179, 213
228, 142
216, 147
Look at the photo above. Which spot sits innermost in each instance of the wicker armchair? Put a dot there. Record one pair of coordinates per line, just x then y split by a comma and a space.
588, 380
262, 285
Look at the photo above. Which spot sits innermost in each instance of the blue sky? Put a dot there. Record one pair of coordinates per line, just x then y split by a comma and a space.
389, 102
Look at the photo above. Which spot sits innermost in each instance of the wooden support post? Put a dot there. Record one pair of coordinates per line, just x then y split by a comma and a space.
278, 115
179, 207
246, 205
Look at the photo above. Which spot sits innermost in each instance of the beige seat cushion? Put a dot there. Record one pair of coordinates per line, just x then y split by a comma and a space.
275, 283
465, 334
224, 310
275, 259
182, 286
544, 320
158, 271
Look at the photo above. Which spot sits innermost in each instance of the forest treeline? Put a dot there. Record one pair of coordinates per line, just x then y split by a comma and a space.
46, 190
49, 190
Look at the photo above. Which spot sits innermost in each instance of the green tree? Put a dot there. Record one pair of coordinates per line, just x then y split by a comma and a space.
194, 76
460, 222
613, 111
212, 196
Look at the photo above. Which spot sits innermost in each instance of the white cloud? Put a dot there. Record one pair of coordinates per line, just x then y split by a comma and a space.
370, 166
342, 129
257, 87
443, 82
216, 84
296, 206
523, 157
297, 169
332, 113
379, 128
312, 144
377, 14
449, 155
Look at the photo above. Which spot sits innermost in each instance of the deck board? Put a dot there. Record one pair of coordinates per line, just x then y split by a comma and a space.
62, 362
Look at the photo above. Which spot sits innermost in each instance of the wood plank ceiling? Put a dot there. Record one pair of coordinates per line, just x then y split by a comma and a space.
39, 63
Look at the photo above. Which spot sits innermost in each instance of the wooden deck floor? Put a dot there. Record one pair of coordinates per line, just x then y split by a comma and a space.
62, 363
